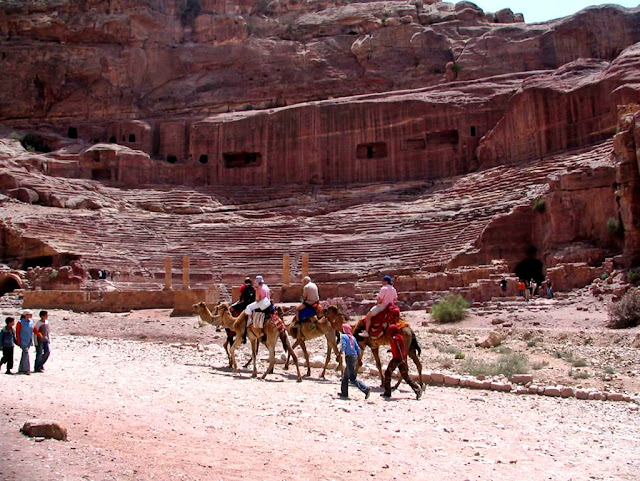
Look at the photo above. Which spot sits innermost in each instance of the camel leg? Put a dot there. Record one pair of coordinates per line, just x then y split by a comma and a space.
227, 350
232, 353
414, 355
338, 357
306, 357
249, 361
285, 342
376, 356
254, 350
271, 344
295, 344
326, 361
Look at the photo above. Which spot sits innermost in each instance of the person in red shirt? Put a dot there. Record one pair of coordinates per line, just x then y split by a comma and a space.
399, 359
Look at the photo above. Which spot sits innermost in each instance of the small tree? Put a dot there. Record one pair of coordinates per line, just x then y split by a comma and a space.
451, 308
614, 226
633, 275
626, 312
539, 205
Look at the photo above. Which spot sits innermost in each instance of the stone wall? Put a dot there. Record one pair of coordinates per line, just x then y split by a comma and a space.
118, 301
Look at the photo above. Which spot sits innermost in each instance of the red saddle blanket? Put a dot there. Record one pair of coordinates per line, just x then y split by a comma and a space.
276, 321
380, 322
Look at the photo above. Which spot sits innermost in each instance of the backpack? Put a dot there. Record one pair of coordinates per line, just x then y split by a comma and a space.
248, 294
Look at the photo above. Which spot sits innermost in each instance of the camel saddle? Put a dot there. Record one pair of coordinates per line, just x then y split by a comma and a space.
380, 322
308, 312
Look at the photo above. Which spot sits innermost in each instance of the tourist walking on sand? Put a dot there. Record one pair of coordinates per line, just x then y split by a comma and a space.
7, 340
351, 350
399, 360
42, 341
387, 295
24, 335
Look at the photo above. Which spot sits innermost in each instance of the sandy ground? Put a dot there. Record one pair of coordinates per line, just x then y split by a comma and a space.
145, 396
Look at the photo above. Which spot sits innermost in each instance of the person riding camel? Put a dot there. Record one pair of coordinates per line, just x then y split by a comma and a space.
263, 299
387, 295
310, 297
247, 296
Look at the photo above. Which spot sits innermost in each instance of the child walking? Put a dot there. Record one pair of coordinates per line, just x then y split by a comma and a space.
351, 350
42, 346
7, 339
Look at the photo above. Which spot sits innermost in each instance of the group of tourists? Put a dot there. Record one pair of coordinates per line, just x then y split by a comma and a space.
258, 298
531, 288
25, 334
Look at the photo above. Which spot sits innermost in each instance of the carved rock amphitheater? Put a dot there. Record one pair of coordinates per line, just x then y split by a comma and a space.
441, 144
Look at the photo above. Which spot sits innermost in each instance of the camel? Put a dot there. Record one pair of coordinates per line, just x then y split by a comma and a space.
269, 334
313, 328
206, 317
410, 344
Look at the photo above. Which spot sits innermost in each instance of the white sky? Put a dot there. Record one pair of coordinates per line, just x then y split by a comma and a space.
541, 10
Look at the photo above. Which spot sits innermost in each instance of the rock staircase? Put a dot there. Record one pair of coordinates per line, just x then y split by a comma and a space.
353, 234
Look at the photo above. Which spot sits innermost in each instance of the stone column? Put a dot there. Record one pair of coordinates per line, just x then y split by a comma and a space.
185, 272
305, 264
286, 273
167, 273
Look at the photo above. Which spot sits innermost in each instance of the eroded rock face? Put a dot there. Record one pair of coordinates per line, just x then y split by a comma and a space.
101, 60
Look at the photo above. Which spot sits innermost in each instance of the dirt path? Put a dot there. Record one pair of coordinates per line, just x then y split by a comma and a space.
146, 410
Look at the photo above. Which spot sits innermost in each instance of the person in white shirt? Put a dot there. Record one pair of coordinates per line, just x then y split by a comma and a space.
310, 296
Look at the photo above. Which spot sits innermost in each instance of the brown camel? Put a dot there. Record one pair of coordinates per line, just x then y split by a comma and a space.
313, 328
269, 335
206, 317
410, 344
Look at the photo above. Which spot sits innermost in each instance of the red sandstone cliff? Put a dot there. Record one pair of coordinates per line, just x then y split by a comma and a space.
94, 59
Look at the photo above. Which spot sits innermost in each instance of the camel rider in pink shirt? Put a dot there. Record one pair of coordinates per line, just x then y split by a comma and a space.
386, 296
263, 298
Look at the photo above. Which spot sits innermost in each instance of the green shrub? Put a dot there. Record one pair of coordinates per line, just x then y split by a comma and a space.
539, 205
537, 365
34, 143
626, 312
459, 355
576, 374
456, 67
451, 308
605, 276
507, 365
614, 227
633, 275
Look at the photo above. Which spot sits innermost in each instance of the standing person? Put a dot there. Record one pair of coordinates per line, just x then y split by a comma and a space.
24, 335
549, 289
263, 298
310, 296
503, 286
7, 339
351, 350
387, 295
399, 359
42, 346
